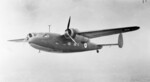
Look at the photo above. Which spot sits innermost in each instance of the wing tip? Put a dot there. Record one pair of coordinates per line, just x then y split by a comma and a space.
130, 28
136, 27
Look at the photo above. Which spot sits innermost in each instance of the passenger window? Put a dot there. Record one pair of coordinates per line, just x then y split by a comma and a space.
69, 43
57, 43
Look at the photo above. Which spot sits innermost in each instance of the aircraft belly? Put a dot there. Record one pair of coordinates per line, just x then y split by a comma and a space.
58, 45
44, 44
77, 48
48, 49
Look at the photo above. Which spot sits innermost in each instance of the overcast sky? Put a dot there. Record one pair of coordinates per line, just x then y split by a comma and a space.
19, 62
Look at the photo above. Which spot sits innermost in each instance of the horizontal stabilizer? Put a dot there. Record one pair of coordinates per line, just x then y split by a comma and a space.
107, 44
120, 42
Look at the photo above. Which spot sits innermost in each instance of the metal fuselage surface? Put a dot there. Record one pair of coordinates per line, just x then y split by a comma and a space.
52, 42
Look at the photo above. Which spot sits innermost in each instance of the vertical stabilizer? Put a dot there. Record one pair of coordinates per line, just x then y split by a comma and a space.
120, 40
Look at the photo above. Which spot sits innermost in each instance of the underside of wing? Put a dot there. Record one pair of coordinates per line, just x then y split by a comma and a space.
106, 32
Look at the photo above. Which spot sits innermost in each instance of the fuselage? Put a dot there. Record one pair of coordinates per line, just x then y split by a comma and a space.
53, 42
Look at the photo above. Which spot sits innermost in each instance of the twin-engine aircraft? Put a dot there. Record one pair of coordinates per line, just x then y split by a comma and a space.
73, 40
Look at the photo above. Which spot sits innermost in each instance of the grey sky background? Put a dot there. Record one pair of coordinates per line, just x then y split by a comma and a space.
19, 62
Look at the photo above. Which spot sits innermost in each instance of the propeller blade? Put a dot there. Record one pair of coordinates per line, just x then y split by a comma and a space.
72, 39
69, 23
19, 40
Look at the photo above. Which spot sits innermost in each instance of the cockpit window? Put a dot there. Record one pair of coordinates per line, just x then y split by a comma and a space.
46, 35
34, 34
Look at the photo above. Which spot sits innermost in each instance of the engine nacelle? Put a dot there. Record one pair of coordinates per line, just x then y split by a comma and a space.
71, 32
82, 39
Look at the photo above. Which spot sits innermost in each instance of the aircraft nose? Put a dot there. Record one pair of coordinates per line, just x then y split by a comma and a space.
32, 40
38, 41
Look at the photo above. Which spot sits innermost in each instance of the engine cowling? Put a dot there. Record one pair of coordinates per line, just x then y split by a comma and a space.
71, 32
82, 39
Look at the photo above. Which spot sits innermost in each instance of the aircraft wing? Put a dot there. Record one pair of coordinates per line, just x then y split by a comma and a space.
106, 32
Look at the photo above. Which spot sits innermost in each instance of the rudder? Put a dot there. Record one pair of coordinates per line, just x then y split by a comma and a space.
120, 40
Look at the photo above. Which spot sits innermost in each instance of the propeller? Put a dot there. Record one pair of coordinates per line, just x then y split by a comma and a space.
68, 23
19, 40
71, 38
67, 31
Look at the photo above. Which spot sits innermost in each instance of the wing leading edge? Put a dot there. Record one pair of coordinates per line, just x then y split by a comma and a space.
106, 32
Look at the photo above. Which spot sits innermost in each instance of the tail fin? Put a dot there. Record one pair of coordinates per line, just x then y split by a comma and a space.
120, 40
119, 44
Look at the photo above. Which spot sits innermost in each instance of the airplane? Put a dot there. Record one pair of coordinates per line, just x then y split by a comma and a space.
73, 40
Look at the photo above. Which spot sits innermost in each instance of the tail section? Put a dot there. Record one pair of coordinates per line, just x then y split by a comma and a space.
119, 44
120, 40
